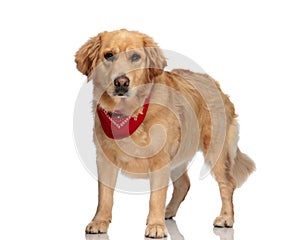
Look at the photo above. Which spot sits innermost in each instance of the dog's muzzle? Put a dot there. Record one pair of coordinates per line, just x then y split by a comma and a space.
121, 84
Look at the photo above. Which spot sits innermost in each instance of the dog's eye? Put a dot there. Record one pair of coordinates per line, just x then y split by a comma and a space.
109, 56
135, 57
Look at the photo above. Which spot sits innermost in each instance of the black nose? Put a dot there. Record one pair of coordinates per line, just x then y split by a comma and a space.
122, 81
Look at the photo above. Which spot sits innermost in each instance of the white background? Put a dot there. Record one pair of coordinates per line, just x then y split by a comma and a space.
250, 47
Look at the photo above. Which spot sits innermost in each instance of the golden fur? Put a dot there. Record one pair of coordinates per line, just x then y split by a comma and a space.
145, 155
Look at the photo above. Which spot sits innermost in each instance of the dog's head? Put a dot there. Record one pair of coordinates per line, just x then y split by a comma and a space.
120, 62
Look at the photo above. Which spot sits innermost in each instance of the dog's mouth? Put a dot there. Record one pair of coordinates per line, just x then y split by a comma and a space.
121, 93
116, 114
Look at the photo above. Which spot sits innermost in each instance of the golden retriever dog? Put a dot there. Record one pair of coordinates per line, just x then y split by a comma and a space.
150, 122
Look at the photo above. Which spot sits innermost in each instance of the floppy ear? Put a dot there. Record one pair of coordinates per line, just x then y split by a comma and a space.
156, 59
87, 56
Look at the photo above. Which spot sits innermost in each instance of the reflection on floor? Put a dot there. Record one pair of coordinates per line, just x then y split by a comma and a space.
173, 230
223, 233
102, 236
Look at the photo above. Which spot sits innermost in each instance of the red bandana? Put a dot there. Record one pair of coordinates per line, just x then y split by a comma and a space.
118, 126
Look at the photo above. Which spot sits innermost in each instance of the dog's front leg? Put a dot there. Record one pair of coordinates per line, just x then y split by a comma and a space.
156, 227
107, 176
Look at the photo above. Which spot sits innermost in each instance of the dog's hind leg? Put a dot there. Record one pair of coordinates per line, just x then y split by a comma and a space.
222, 170
181, 184
231, 169
227, 186
229, 175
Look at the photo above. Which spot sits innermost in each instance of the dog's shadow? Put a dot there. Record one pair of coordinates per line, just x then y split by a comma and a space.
223, 233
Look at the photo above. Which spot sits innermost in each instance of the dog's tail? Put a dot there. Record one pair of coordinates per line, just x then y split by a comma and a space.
242, 168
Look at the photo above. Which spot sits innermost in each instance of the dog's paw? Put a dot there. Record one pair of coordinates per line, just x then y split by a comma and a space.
156, 231
223, 221
95, 227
